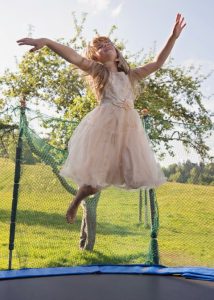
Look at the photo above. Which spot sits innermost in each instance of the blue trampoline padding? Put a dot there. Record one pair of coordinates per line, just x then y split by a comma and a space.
198, 273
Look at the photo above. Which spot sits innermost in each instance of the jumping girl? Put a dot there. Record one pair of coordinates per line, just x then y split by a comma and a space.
110, 145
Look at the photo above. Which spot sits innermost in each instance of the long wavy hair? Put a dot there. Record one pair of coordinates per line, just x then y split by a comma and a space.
101, 74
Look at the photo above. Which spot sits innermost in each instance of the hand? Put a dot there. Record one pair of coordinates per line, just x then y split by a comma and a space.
178, 26
37, 43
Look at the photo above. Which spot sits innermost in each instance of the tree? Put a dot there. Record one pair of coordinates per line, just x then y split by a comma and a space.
189, 172
172, 95
176, 177
7, 135
194, 175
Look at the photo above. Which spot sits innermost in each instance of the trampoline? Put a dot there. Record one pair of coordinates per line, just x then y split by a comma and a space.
107, 282
41, 227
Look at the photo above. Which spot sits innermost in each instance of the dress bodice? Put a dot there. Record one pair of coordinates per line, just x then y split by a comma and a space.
118, 91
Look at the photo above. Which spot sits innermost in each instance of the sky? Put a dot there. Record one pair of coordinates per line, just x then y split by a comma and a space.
140, 24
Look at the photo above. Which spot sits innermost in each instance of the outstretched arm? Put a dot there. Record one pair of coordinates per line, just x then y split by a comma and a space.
142, 72
65, 52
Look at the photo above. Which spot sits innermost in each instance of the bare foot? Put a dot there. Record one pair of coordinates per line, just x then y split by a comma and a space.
71, 213
82, 193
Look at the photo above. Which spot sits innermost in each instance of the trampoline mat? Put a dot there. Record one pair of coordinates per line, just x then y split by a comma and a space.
106, 287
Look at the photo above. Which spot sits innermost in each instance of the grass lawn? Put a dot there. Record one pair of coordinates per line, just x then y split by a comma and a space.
44, 239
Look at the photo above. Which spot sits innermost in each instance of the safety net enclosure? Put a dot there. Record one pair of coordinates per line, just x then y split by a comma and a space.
171, 226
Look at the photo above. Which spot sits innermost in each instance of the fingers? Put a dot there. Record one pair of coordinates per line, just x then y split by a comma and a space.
183, 26
180, 21
25, 41
178, 17
22, 44
28, 41
22, 40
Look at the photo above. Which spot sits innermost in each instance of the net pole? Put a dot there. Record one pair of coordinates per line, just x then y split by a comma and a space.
140, 206
16, 186
146, 216
153, 255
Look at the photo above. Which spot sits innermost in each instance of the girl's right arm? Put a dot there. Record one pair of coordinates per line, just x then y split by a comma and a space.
65, 52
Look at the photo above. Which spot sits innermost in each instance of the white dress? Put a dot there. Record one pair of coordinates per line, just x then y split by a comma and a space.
110, 145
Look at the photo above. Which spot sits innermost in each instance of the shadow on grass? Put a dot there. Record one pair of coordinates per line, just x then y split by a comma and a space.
48, 220
113, 229
55, 220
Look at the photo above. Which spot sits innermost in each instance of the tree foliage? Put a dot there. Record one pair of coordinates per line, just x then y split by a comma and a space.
189, 172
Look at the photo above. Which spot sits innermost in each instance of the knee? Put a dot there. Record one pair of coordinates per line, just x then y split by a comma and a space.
94, 190
90, 189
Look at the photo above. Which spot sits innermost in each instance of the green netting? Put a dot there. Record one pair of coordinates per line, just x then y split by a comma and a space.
171, 225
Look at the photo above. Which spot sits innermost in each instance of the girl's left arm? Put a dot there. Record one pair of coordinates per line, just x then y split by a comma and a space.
147, 69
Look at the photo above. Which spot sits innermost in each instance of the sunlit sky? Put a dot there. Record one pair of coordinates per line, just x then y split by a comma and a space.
140, 23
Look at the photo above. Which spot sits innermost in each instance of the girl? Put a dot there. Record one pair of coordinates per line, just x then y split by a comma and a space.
109, 146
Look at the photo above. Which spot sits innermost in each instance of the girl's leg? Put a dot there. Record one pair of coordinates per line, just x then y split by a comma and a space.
83, 192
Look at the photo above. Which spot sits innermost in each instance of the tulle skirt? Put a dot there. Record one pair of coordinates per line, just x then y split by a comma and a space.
110, 147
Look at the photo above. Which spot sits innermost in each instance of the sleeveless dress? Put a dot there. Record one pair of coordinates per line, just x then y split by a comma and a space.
110, 145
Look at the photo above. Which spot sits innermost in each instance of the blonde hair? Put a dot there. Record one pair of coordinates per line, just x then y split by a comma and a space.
101, 74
